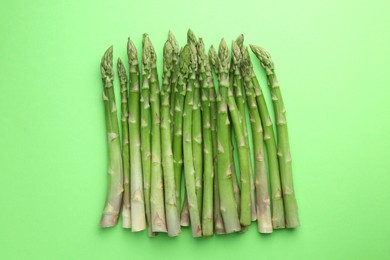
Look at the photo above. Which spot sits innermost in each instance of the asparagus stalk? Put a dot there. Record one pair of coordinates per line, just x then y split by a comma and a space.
175, 73
126, 213
242, 107
172, 214
178, 121
197, 144
269, 139
208, 171
157, 207
197, 132
187, 147
284, 154
145, 128
228, 204
219, 226
263, 209
137, 191
115, 171
233, 153
243, 150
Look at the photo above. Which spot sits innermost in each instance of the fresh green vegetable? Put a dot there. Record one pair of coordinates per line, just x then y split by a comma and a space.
242, 147
263, 209
228, 204
269, 138
237, 45
157, 207
137, 190
145, 127
208, 169
126, 213
178, 120
187, 146
219, 226
197, 138
115, 172
172, 214
284, 153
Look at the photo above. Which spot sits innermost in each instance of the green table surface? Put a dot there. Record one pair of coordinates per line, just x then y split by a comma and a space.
333, 62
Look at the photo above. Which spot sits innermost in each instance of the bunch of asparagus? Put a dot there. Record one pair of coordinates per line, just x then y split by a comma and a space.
190, 125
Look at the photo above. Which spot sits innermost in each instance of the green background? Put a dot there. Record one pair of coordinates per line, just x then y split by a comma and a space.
332, 58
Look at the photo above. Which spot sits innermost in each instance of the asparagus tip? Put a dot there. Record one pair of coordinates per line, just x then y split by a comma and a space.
236, 53
193, 57
167, 58
223, 57
131, 51
173, 41
264, 57
191, 38
213, 56
122, 72
240, 41
246, 64
106, 66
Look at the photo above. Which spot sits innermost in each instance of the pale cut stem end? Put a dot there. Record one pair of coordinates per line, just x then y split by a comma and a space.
108, 220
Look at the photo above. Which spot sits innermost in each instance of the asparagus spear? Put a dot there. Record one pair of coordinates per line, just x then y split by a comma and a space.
284, 154
269, 138
219, 226
178, 121
197, 144
157, 208
172, 214
115, 171
263, 209
145, 127
243, 150
233, 153
228, 204
187, 147
126, 213
175, 73
137, 191
208, 171
242, 107
197, 131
